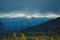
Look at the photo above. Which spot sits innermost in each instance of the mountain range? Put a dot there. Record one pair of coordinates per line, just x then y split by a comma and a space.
50, 25
21, 23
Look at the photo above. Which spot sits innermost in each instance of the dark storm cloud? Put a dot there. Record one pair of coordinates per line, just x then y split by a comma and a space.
32, 5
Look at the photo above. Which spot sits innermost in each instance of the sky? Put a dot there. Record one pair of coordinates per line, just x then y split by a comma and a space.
29, 8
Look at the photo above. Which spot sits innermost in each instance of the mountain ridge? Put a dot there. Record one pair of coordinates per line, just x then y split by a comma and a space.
51, 25
22, 22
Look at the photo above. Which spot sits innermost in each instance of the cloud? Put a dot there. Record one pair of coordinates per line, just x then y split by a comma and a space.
28, 15
32, 5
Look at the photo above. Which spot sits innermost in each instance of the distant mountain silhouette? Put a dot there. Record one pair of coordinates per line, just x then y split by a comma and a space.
51, 25
1, 25
1, 28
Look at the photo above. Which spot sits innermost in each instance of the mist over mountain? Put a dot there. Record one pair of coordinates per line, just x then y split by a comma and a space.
21, 23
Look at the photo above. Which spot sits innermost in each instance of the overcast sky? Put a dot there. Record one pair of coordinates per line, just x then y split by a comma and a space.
41, 6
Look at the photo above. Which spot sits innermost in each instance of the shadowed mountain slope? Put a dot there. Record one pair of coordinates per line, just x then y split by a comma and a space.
1, 25
51, 25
